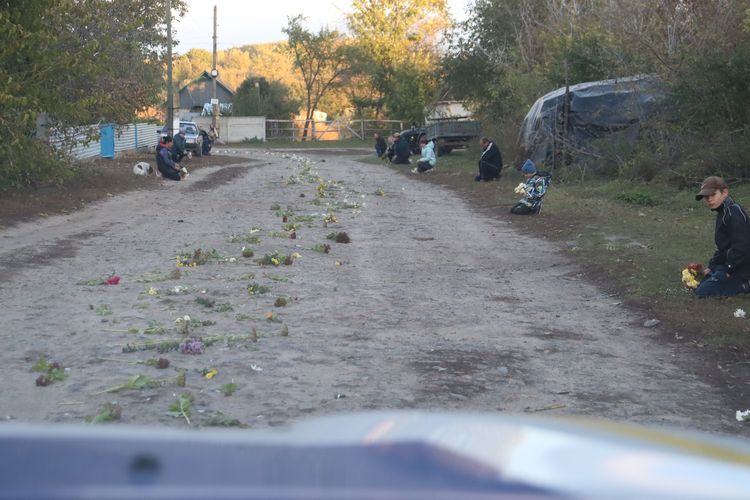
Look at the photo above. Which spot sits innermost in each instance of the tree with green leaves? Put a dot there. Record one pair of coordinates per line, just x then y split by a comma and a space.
259, 97
70, 63
322, 59
510, 52
398, 52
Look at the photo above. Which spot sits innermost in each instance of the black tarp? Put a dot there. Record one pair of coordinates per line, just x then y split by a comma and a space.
614, 109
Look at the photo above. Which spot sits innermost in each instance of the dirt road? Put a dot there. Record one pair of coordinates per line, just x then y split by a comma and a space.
431, 306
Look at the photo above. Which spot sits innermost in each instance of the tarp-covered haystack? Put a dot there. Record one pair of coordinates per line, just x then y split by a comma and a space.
607, 109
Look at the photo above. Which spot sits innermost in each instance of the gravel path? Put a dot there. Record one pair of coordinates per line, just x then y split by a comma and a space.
430, 306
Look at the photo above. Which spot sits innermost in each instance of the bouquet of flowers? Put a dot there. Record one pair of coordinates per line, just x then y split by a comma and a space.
520, 189
692, 275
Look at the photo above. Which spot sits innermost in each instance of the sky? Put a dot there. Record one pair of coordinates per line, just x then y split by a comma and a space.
242, 22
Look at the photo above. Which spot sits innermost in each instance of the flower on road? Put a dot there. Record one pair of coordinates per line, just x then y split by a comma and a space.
740, 313
743, 416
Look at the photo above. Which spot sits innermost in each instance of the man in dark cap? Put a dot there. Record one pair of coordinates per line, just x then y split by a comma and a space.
728, 270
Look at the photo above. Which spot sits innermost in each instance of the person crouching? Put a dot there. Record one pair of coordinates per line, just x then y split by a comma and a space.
428, 161
533, 190
728, 270
166, 165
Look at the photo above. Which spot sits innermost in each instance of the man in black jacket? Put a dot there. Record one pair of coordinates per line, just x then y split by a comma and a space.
178, 146
401, 149
491, 161
166, 165
729, 269
380, 145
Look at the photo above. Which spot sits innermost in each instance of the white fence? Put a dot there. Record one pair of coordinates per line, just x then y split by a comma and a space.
236, 128
85, 142
294, 130
135, 136
81, 142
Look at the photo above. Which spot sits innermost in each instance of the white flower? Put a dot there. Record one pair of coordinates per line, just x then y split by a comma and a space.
740, 313
256, 368
232, 259
743, 416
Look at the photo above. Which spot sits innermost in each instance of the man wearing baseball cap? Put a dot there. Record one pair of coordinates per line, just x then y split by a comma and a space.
729, 269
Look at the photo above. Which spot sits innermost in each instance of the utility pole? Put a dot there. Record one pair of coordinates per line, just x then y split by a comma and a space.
170, 93
214, 75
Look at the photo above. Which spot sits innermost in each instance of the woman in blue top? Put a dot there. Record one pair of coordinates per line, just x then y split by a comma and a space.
428, 161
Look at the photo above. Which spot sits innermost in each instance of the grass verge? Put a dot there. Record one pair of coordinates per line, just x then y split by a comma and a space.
633, 239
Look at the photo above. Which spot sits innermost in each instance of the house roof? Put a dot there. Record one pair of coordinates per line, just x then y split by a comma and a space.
207, 76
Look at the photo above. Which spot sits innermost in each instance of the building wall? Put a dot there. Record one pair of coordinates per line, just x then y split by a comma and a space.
199, 93
236, 128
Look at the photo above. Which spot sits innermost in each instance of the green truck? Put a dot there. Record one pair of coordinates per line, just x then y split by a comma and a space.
453, 134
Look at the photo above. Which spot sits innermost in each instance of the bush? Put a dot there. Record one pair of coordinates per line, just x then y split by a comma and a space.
26, 162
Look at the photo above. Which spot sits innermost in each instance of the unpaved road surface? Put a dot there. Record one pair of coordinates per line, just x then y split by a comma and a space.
431, 306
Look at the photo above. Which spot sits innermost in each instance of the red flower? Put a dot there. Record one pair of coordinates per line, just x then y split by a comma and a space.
695, 267
112, 280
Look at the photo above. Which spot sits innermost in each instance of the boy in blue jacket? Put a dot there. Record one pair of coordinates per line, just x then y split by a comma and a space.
533, 191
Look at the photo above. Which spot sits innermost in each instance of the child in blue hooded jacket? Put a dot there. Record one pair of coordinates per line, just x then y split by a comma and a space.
533, 190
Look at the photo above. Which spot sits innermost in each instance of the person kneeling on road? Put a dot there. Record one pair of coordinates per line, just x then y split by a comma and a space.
491, 161
178, 147
728, 271
533, 190
380, 145
401, 150
166, 165
428, 161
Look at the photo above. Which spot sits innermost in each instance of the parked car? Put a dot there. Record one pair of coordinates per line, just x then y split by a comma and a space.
412, 136
193, 137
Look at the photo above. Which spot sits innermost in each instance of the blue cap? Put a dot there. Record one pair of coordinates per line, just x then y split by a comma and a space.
528, 167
